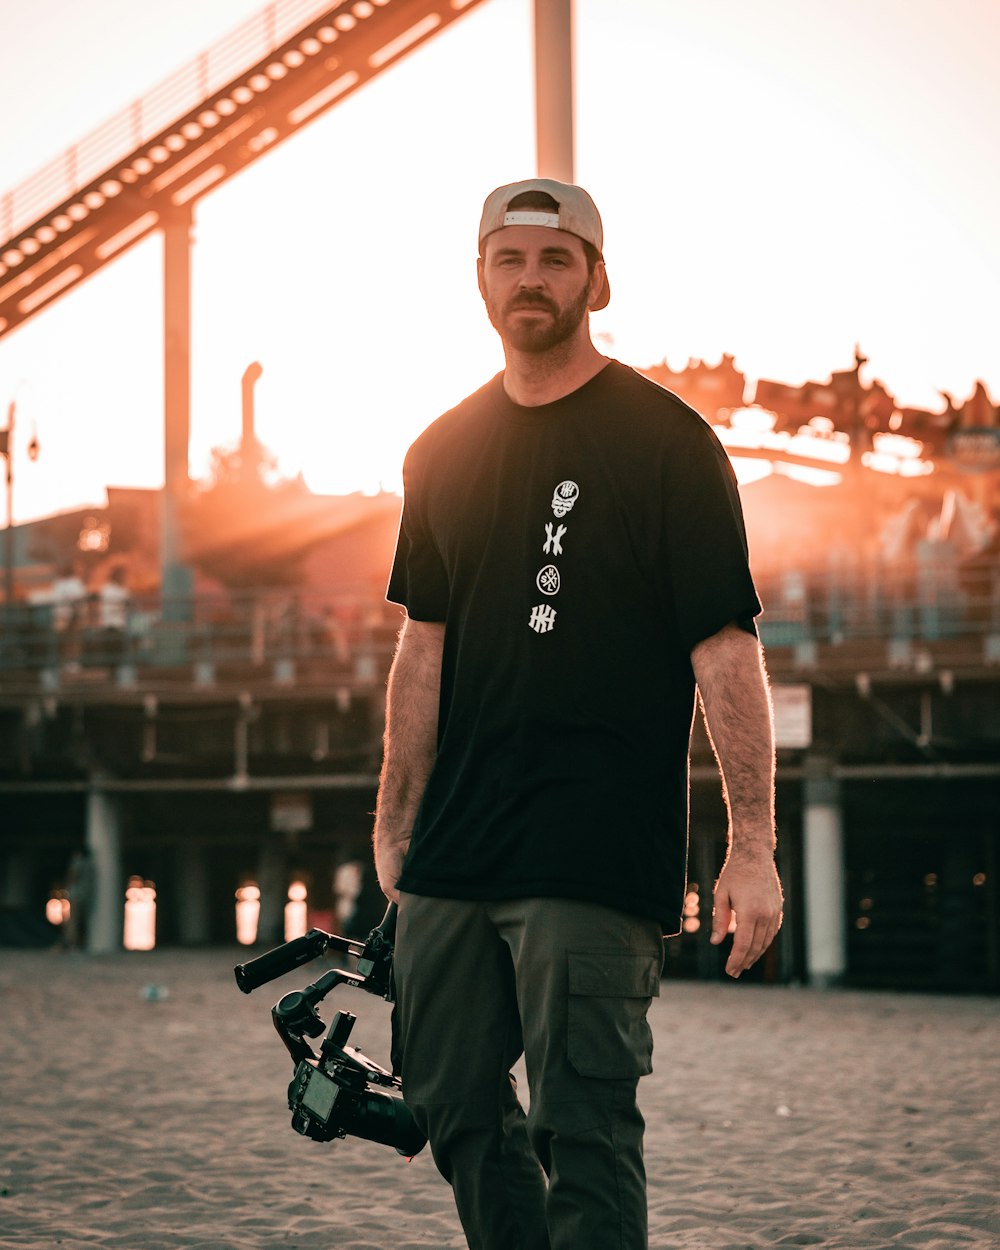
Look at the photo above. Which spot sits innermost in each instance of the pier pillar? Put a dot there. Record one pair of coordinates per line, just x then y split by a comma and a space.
823, 870
104, 931
176, 579
272, 877
192, 895
554, 140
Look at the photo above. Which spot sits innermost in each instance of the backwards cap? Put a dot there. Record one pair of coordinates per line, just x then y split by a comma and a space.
577, 214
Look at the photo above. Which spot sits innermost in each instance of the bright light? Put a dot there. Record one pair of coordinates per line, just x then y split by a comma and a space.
753, 429
247, 913
881, 462
748, 470
809, 475
818, 440
759, 419
57, 908
898, 445
140, 915
296, 917
692, 910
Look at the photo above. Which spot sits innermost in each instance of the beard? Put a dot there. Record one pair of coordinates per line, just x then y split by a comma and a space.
537, 335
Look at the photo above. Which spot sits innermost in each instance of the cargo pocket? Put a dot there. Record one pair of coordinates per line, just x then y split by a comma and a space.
609, 995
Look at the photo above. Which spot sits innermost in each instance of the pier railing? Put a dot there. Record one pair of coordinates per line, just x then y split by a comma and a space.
901, 616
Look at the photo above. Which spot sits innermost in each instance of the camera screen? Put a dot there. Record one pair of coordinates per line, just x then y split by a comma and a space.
319, 1095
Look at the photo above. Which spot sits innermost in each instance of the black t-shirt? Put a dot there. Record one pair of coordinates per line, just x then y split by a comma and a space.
576, 552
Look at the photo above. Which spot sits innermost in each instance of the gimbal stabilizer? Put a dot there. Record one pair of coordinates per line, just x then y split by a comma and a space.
332, 1094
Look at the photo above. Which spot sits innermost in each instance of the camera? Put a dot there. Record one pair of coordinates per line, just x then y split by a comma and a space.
340, 1092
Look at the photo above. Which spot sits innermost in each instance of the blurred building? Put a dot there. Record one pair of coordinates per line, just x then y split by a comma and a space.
234, 745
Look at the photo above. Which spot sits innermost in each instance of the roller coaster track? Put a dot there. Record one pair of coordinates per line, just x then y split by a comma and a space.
272, 76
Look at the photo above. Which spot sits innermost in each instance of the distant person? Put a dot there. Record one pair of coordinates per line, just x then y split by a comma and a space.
112, 616
68, 600
572, 560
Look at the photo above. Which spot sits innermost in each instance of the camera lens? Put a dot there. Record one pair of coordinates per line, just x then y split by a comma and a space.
382, 1118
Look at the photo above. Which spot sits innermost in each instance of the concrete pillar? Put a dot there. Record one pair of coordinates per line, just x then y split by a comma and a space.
272, 877
823, 870
192, 895
554, 138
176, 579
104, 931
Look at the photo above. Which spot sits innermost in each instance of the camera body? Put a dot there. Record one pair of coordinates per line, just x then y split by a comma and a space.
344, 1093
340, 1092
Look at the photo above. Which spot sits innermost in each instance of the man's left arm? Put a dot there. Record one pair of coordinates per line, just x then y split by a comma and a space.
733, 687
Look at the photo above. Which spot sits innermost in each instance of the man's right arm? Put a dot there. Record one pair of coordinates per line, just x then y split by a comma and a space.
411, 721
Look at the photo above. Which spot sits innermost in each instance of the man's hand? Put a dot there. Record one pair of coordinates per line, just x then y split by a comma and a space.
389, 858
748, 889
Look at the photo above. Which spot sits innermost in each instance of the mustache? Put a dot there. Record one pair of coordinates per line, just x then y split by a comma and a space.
531, 299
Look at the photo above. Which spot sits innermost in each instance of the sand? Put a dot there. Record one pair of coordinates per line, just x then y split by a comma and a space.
777, 1117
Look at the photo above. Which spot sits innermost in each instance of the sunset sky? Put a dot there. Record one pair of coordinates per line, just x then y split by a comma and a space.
777, 179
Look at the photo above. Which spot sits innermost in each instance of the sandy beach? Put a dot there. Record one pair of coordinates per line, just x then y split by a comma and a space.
155, 1119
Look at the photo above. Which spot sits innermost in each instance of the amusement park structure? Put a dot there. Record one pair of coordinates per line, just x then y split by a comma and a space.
221, 736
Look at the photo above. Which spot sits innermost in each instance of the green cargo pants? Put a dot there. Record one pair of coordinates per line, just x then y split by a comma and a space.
569, 985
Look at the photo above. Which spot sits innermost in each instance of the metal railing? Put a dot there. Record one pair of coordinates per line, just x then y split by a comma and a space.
295, 637
146, 117
926, 600
273, 635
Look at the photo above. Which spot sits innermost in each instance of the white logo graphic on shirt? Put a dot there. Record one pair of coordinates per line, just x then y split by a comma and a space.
543, 617
566, 495
552, 544
547, 580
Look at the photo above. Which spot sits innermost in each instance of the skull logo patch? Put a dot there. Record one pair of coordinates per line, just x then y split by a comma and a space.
565, 496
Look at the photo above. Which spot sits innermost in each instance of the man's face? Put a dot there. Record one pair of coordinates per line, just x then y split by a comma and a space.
535, 284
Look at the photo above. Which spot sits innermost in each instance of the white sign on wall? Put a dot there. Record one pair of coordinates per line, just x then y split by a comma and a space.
792, 715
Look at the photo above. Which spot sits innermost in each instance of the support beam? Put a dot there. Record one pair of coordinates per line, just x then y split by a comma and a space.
104, 931
554, 138
823, 869
272, 877
176, 579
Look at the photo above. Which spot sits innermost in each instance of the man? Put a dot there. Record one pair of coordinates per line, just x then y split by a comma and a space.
572, 560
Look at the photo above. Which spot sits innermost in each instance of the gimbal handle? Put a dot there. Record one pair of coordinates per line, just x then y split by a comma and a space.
291, 955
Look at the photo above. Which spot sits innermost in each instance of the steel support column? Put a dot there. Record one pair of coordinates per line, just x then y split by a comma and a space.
176, 578
824, 872
193, 913
104, 932
554, 140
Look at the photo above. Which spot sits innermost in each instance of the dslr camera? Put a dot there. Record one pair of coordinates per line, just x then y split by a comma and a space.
339, 1092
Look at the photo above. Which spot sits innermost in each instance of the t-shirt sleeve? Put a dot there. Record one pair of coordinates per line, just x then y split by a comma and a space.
708, 567
418, 580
